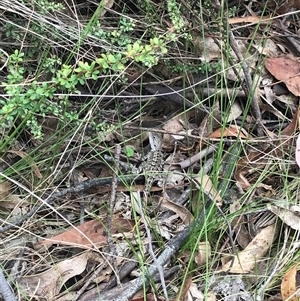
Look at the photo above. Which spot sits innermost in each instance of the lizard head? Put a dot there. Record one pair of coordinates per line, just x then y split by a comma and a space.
155, 140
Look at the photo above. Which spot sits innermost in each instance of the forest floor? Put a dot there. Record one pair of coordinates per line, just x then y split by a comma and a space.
149, 150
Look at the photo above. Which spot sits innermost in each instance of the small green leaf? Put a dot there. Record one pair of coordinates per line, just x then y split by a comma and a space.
111, 58
136, 46
129, 151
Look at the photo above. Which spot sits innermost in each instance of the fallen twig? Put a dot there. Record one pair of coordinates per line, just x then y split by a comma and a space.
72, 190
127, 290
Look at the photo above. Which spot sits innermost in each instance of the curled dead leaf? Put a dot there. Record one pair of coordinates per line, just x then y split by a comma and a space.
203, 253
231, 131
288, 285
287, 69
246, 260
4, 189
288, 214
88, 234
48, 284
209, 189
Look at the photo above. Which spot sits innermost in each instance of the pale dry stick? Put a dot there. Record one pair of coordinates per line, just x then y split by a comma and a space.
45, 203
151, 252
82, 186
75, 181
130, 288
288, 37
114, 186
249, 91
249, 83
89, 281
155, 261
14, 270
6, 61
260, 293
202, 154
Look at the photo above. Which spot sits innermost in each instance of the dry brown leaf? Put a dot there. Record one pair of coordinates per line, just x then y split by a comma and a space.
205, 44
195, 293
293, 126
270, 98
209, 189
15, 205
287, 6
231, 131
247, 165
48, 284
185, 215
290, 216
107, 4
258, 160
235, 112
268, 48
173, 127
210, 296
243, 237
247, 259
104, 276
288, 285
4, 189
182, 295
93, 233
255, 162
203, 253
287, 69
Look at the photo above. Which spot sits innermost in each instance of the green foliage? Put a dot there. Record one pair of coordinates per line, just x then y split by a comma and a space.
33, 33
120, 37
31, 100
200, 68
129, 151
175, 15
44, 6
148, 54
30, 97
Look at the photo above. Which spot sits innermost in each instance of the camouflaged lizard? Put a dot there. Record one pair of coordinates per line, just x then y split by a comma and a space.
153, 165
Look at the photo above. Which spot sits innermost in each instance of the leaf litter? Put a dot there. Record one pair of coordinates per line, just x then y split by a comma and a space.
233, 254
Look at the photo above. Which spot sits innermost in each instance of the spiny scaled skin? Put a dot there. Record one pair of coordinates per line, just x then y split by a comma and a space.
154, 164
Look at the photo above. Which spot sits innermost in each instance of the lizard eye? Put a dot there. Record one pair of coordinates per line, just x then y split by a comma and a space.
146, 143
